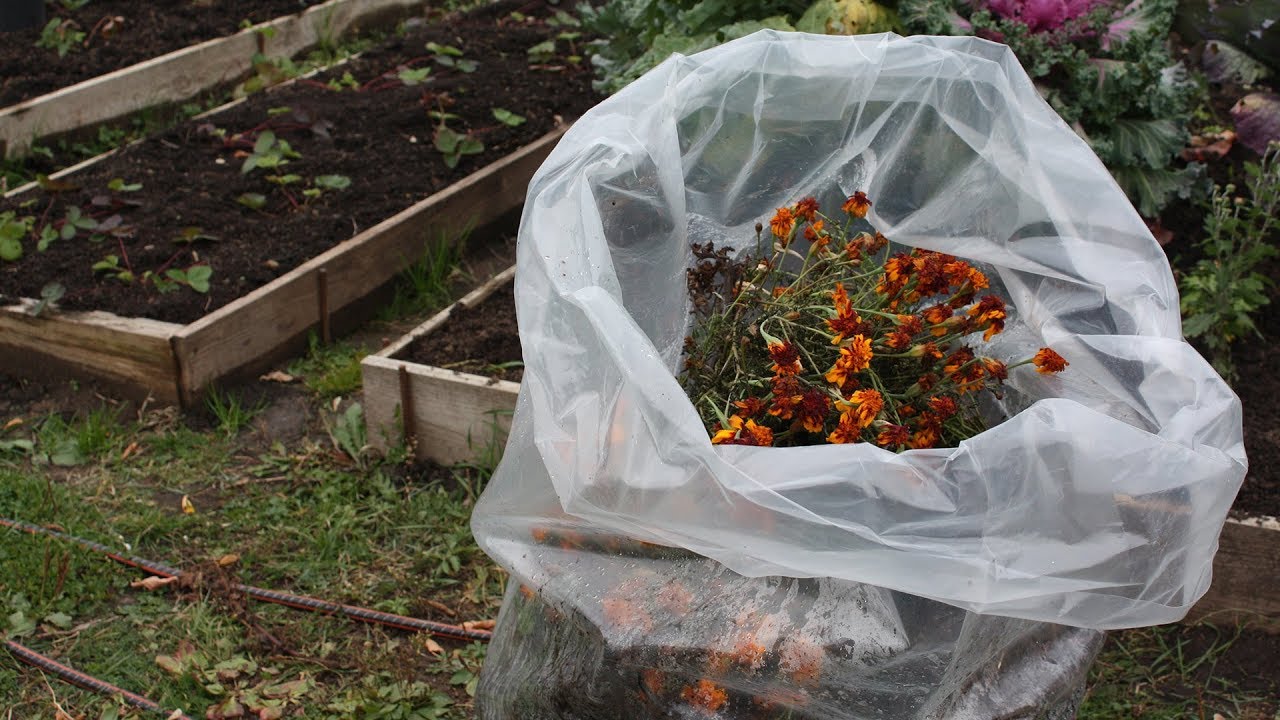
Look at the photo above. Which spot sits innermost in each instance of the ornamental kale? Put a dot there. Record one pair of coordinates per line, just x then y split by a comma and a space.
1105, 67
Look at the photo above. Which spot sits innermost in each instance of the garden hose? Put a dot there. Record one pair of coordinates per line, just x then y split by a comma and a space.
300, 602
88, 682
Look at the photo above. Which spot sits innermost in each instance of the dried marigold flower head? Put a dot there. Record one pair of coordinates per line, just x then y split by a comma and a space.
750, 407
996, 369
786, 358
925, 438
1048, 361
807, 208
857, 205
783, 223
787, 394
706, 696
943, 407
893, 436
990, 314
813, 409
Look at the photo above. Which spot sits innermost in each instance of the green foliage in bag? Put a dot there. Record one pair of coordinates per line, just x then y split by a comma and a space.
1107, 71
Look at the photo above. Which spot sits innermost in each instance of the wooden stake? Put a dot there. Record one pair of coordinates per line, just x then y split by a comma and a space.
406, 407
322, 299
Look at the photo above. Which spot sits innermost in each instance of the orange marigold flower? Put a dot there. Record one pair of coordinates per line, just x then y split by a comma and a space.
927, 381
1048, 361
925, 437
857, 205
748, 653
815, 234
897, 340
854, 357
786, 358
813, 410
807, 208
726, 435
958, 359
897, 271
706, 696
627, 615
787, 395
847, 430
943, 407
863, 407
893, 435
877, 242
757, 435
750, 407
847, 325
801, 660
840, 300
938, 314
996, 369
989, 313
911, 324
783, 223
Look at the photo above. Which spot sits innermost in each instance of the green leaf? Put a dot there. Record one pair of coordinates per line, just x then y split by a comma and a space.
110, 263
447, 141
284, 179
66, 453
20, 624
332, 182
413, 77
467, 66
10, 249
62, 621
119, 185
264, 142
253, 201
1152, 142
508, 118
47, 237
198, 277
470, 146
446, 50
51, 293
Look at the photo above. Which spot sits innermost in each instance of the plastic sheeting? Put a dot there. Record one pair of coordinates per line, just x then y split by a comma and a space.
1097, 502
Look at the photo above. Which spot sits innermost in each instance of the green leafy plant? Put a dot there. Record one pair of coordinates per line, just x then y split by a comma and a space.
1224, 289
508, 118
453, 145
12, 230
451, 57
269, 153
229, 411
1107, 70
62, 35
413, 76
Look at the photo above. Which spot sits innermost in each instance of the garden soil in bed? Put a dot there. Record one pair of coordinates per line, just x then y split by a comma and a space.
380, 136
149, 29
481, 340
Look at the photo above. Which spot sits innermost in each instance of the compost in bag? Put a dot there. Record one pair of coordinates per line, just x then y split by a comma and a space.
658, 574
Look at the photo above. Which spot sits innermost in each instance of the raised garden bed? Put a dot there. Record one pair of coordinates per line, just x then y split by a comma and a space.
146, 58
300, 256
447, 388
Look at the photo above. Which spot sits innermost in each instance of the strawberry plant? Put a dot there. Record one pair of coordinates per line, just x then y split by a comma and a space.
61, 35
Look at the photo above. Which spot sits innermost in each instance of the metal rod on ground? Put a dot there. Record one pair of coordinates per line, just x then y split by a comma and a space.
88, 682
300, 602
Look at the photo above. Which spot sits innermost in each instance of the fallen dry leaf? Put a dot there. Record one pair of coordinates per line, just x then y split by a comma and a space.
277, 376
187, 507
13, 423
433, 647
154, 582
479, 624
228, 559
133, 449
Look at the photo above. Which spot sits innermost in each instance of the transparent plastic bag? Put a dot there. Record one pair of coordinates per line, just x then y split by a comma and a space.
1097, 503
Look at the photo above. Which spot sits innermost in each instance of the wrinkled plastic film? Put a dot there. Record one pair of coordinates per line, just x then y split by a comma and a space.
1097, 503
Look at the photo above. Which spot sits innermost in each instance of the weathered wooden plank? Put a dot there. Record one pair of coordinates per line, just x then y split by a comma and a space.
131, 355
182, 74
456, 414
232, 339
1246, 576
453, 415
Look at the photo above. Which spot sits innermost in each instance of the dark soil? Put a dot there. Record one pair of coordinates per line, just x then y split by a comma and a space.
479, 340
378, 134
149, 29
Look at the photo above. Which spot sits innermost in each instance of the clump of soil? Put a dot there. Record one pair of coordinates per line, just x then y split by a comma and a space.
481, 340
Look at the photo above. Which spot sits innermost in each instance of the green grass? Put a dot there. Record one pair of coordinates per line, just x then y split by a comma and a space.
330, 370
298, 518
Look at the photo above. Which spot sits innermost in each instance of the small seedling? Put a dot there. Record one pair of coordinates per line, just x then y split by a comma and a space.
192, 234
110, 265
195, 277
12, 230
50, 294
269, 152
283, 180
61, 35
119, 185
508, 118
347, 81
543, 52
331, 182
453, 145
451, 57
253, 201
413, 76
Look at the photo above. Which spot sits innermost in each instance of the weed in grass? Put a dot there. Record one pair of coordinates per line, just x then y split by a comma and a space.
329, 370
230, 412
427, 284
1160, 674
